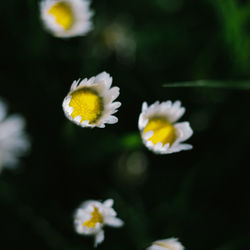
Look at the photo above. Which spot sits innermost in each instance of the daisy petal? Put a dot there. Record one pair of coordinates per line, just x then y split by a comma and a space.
99, 237
114, 222
184, 130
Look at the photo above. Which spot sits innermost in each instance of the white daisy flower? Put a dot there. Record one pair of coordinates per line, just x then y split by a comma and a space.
167, 244
13, 140
66, 18
92, 216
90, 102
159, 130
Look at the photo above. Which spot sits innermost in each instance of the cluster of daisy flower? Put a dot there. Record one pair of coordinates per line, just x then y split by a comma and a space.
91, 103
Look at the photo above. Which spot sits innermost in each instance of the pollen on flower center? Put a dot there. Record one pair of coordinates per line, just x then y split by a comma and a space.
163, 131
87, 104
63, 14
96, 217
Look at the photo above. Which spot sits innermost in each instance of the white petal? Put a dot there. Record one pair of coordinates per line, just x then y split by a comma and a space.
176, 104
100, 88
154, 105
86, 123
144, 106
111, 119
113, 107
179, 147
105, 77
83, 82
13, 140
158, 146
74, 84
176, 113
172, 112
11, 126
184, 131
165, 147
166, 105
102, 125
3, 110
77, 119
66, 101
147, 135
99, 237
149, 144
67, 109
113, 93
91, 81
108, 203
142, 122
114, 222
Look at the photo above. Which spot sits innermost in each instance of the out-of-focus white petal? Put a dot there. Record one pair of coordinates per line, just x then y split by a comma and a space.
108, 203
99, 238
2, 110
13, 140
114, 222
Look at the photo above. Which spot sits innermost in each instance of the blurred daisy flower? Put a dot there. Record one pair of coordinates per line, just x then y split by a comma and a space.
117, 37
66, 18
167, 244
159, 130
90, 102
92, 216
13, 140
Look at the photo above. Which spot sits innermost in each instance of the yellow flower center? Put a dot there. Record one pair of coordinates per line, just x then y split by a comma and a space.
96, 217
87, 104
63, 14
163, 131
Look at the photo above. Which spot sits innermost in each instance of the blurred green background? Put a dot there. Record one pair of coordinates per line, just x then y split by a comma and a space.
200, 196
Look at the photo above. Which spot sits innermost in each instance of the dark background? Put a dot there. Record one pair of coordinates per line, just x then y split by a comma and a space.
200, 196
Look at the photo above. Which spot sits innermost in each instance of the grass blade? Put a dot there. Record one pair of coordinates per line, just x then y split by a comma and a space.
210, 84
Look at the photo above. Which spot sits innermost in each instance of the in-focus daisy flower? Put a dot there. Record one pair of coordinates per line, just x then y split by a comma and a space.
159, 130
66, 18
92, 216
90, 102
167, 244
13, 140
